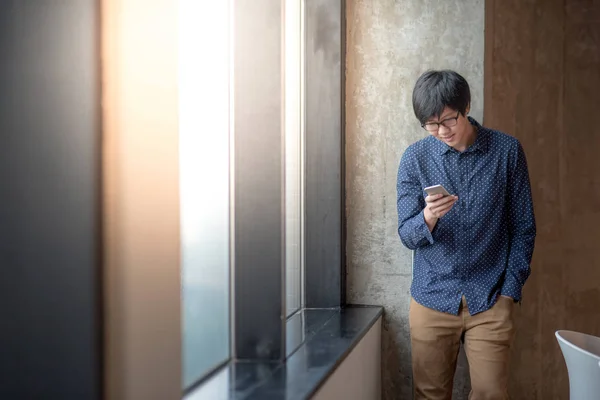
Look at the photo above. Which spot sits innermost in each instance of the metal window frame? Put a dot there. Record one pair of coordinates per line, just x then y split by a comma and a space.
259, 235
258, 272
325, 261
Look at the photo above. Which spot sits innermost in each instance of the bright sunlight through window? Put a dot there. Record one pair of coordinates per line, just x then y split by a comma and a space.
204, 132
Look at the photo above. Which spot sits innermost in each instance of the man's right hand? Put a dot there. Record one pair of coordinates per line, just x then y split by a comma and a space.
437, 207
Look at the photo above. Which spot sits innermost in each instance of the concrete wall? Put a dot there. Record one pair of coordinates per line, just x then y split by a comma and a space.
50, 200
389, 44
358, 377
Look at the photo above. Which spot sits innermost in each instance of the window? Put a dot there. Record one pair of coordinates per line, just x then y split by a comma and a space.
204, 185
246, 195
213, 274
293, 100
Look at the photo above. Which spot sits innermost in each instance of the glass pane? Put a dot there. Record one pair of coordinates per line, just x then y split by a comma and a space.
293, 155
204, 184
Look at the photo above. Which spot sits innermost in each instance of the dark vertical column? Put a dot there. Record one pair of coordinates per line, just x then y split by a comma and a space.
49, 200
259, 214
324, 187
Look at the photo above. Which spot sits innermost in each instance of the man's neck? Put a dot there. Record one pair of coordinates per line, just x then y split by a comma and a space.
470, 139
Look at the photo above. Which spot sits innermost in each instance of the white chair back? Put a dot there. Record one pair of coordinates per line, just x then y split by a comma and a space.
582, 356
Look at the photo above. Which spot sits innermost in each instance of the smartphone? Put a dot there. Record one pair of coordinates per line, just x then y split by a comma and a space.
436, 189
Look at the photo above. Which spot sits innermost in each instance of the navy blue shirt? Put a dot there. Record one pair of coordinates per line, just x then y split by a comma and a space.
483, 246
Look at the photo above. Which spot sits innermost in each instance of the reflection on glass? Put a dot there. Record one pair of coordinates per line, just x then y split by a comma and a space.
216, 388
295, 332
204, 184
293, 155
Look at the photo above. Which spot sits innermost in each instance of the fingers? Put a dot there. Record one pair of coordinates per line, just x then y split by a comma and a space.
441, 207
443, 204
441, 213
431, 199
438, 200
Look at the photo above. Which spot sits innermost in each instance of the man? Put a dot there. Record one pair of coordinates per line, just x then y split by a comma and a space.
472, 249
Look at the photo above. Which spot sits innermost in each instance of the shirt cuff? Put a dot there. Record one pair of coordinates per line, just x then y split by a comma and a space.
423, 228
511, 287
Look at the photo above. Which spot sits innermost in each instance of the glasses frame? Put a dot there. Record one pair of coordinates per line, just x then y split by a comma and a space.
443, 122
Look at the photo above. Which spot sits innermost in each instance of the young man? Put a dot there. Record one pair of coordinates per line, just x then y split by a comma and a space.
472, 249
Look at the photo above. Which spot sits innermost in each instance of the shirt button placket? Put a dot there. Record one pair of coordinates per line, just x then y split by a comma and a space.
460, 205
464, 215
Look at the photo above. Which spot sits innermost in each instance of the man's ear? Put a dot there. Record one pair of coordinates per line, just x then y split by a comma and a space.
468, 109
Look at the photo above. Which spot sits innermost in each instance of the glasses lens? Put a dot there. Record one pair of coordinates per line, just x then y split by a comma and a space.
449, 122
431, 127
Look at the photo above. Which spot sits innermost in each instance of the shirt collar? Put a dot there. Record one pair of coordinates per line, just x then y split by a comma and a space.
481, 142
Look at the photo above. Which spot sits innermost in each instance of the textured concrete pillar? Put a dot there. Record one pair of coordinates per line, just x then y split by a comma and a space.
389, 44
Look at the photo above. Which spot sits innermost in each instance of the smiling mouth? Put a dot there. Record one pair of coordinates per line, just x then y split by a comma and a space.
447, 137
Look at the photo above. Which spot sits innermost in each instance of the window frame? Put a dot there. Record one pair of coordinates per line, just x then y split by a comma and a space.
260, 333
142, 278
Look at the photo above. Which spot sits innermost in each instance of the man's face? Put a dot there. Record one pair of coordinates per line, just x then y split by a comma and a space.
454, 129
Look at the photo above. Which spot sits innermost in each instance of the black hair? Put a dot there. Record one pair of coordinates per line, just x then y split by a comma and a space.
436, 90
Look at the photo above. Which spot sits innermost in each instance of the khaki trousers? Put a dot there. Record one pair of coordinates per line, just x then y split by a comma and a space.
435, 340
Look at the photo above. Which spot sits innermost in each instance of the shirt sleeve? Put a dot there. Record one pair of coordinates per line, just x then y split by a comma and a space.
521, 225
412, 228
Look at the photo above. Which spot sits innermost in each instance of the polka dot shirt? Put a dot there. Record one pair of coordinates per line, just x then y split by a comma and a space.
483, 246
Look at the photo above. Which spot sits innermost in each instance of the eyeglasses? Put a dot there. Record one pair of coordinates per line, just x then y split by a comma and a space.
435, 126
